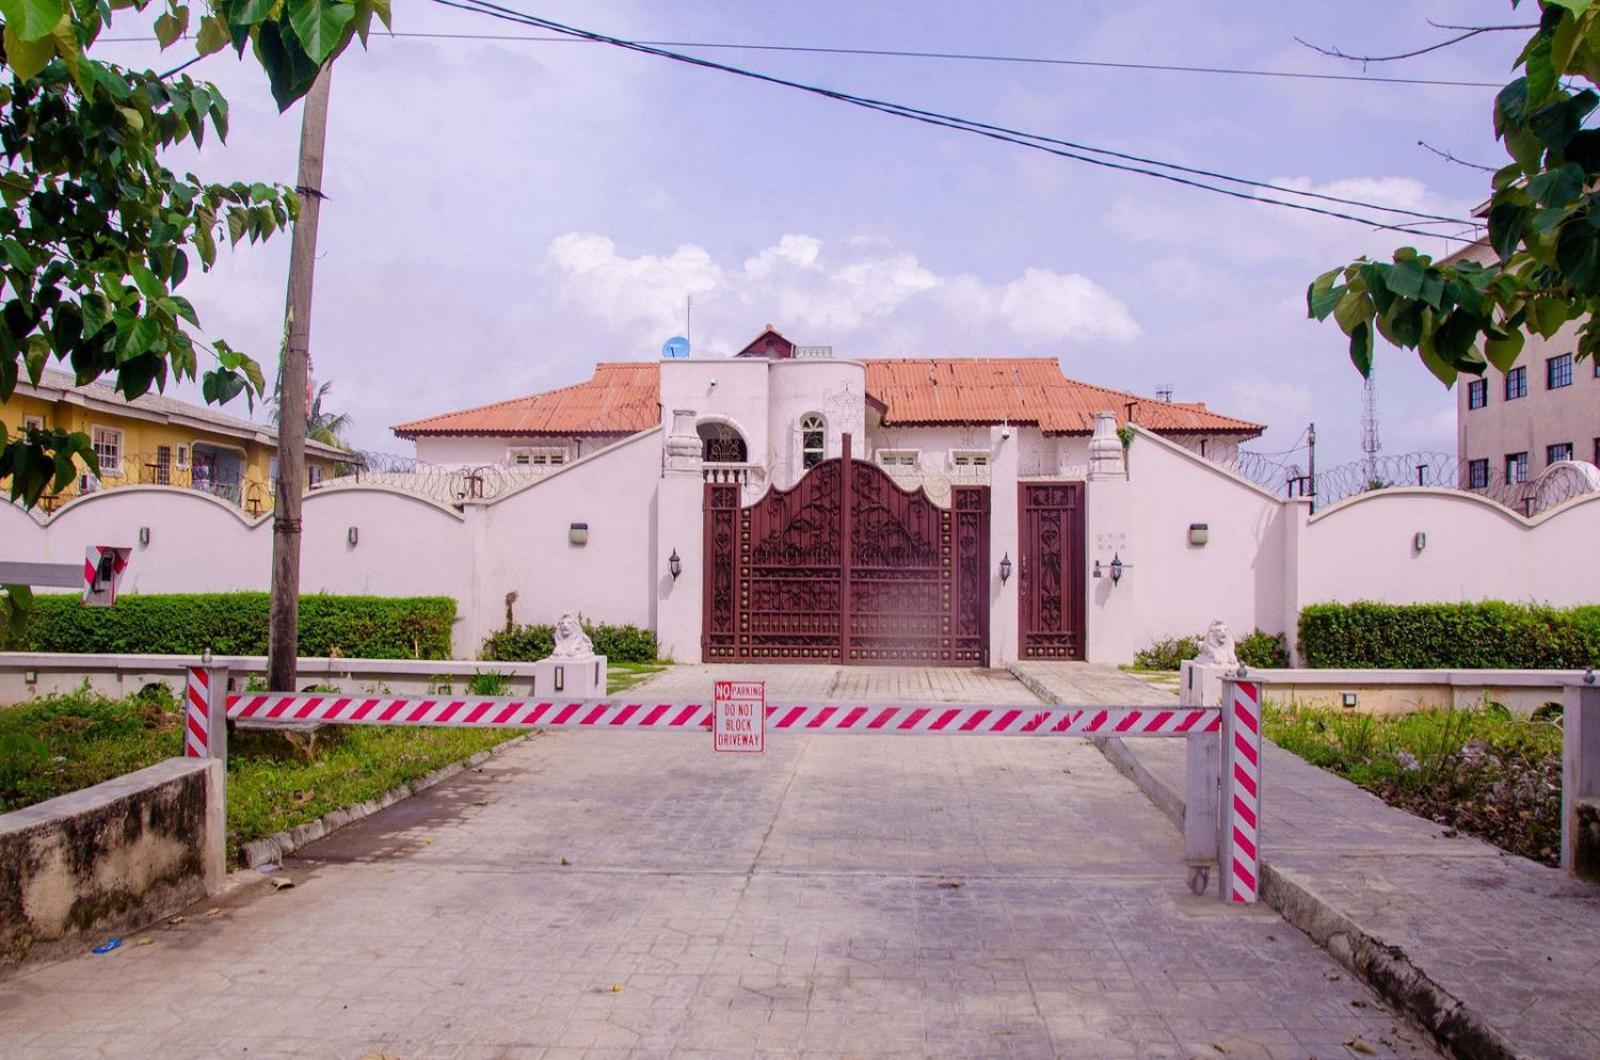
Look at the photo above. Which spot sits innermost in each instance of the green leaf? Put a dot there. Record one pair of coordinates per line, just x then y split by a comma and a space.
1361, 348
252, 12
1404, 278
1546, 315
1541, 71
1502, 351
28, 58
170, 27
213, 35
1505, 229
31, 20
1558, 187
1354, 307
320, 25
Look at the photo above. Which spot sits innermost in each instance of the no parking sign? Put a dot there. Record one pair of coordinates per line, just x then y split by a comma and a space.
739, 717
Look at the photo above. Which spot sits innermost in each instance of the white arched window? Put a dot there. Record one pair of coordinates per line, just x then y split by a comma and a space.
813, 440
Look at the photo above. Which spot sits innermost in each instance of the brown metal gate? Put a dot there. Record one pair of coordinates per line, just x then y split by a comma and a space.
1051, 600
847, 567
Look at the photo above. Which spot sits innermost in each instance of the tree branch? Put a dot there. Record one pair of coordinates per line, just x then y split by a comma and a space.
1448, 157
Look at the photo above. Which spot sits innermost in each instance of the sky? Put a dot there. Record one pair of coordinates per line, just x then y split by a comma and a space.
502, 214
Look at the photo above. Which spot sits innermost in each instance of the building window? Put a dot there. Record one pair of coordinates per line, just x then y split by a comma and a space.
1554, 454
969, 458
314, 475
163, 465
541, 457
1478, 474
108, 449
1516, 467
1516, 383
722, 444
34, 422
1558, 372
1477, 393
183, 456
897, 458
813, 440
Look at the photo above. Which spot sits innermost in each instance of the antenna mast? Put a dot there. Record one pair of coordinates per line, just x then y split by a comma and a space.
1371, 444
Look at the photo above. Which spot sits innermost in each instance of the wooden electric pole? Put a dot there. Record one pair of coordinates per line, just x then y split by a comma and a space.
284, 631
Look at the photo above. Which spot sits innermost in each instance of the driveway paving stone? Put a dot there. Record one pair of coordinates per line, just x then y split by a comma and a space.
628, 893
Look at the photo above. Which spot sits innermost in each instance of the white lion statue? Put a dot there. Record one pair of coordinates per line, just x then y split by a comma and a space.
1218, 648
571, 641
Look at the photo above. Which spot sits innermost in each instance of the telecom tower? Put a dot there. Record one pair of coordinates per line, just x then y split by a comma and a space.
1371, 445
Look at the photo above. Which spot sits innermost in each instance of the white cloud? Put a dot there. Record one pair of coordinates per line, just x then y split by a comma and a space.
1269, 400
857, 291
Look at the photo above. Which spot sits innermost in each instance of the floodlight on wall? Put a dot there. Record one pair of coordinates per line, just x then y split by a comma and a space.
674, 565
352, 536
578, 534
1199, 533
1419, 541
144, 536
1005, 568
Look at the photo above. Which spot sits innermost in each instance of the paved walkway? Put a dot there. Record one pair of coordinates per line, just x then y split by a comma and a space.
1515, 943
1078, 684
870, 684
616, 893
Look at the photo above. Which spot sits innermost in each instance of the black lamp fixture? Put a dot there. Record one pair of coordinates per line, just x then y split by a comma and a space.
1005, 568
1116, 568
674, 565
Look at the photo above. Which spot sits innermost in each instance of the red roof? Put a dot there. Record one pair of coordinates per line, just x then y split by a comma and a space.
623, 398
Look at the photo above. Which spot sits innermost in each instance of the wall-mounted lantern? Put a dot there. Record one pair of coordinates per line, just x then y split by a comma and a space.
1348, 700
352, 536
1117, 567
674, 565
144, 536
578, 534
1419, 540
1005, 568
1199, 533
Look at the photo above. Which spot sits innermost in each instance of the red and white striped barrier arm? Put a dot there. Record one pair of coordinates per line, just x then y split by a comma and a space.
948, 719
1241, 880
196, 714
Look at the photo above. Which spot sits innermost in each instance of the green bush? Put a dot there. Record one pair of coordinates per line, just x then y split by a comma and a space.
358, 627
1258, 649
1488, 635
530, 643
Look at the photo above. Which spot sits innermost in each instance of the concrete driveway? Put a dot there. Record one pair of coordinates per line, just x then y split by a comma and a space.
635, 894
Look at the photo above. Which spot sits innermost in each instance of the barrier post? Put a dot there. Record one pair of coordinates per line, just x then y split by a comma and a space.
1241, 777
1580, 780
1202, 801
205, 712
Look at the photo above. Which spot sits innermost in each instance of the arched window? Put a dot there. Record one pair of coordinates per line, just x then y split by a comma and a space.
723, 444
813, 440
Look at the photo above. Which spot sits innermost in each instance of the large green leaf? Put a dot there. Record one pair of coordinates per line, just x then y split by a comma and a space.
320, 25
28, 57
31, 20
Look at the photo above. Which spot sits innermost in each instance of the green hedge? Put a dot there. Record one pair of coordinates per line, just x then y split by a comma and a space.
1488, 635
1258, 649
530, 643
357, 627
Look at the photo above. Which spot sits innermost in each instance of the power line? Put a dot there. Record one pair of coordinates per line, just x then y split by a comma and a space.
996, 132
903, 53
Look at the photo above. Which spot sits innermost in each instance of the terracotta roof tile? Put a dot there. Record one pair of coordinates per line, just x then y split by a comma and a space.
620, 398
623, 398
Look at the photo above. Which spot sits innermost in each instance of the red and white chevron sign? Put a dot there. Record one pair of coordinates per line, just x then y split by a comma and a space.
196, 717
1242, 839
879, 718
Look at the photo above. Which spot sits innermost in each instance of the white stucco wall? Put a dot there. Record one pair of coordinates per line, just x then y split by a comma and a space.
465, 451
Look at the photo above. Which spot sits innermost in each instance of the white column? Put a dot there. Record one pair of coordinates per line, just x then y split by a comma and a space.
1580, 781
1003, 541
1296, 514
680, 528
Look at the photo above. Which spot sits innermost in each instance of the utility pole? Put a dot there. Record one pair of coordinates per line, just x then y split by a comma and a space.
1311, 443
284, 631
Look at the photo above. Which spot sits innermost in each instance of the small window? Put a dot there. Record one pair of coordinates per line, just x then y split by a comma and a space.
897, 458
33, 422
969, 458
1478, 474
813, 440
314, 475
1477, 393
1554, 454
108, 449
1558, 372
183, 456
544, 457
163, 465
1516, 383
1516, 467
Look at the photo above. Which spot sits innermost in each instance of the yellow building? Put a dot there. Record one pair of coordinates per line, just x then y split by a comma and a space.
157, 440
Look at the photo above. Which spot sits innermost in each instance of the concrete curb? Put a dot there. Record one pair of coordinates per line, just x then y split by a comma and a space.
274, 848
1381, 965
1031, 683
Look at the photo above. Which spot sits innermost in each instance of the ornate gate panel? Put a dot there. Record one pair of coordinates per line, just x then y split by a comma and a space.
1051, 600
847, 567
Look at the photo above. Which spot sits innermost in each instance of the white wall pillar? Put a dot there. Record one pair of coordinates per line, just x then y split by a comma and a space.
1296, 513
1580, 781
1003, 540
680, 528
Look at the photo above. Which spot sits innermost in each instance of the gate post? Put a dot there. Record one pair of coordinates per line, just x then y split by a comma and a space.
1241, 808
1202, 802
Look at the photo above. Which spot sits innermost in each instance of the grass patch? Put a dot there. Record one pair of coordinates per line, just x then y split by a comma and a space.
621, 676
1483, 771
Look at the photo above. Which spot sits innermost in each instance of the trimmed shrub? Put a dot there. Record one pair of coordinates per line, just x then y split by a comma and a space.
1488, 635
357, 627
531, 643
1258, 649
